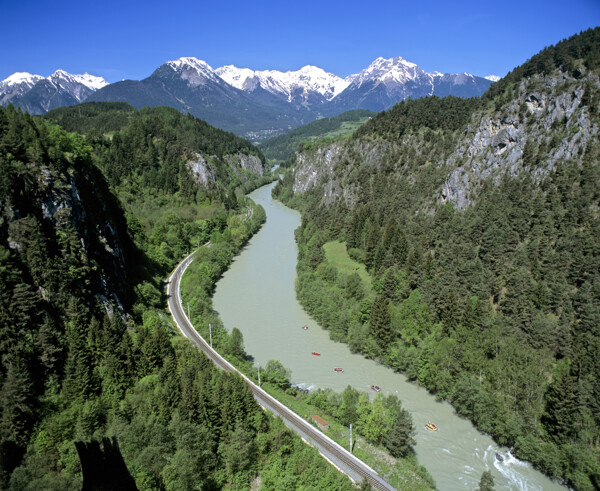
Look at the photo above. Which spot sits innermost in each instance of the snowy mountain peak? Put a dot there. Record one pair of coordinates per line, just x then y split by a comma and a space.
308, 79
187, 62
21, 78
92, 81
395, 61
240, 78
493, 78
61, 77
60, 74
77, 87
193, 70
388, 70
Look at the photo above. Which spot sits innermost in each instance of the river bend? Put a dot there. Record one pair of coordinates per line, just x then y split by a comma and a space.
257, 296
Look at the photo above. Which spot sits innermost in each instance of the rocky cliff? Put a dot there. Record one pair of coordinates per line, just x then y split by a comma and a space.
239, 166
548, 119
63, 225
547, 122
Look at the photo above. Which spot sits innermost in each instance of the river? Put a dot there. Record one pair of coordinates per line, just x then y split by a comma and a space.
257, 296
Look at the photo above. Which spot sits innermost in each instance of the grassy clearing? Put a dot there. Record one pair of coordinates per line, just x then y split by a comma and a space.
337, 255
346, 129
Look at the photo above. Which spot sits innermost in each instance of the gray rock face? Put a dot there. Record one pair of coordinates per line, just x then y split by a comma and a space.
62, 205
543, 125
249, 163
328, 167
546, 112
202, 171
239, 164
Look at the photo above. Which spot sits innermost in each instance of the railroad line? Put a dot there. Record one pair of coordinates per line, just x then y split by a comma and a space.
355, 468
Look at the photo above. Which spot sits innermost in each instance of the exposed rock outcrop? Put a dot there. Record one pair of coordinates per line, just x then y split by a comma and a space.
202, 171
88, 225
248, 163
546, 115
239, 165
546, 121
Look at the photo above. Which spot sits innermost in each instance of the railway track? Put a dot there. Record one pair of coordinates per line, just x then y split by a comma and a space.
332, 451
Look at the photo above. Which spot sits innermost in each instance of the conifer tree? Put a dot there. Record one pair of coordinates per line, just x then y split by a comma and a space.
561, 408
401, 436
381, 329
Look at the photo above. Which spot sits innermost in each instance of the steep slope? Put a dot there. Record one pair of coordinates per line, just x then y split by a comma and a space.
79, 363
388, 81
192, 86
37, 95
16, 85
65, 251
478, 221
163, 149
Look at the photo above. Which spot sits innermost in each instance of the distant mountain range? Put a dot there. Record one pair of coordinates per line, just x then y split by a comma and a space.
38, 95
253, 104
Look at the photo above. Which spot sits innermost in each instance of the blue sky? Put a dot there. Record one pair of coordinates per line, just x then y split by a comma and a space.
129, 39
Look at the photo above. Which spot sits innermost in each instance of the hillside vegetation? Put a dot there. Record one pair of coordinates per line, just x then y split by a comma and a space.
87, 351
478, 221
280, 148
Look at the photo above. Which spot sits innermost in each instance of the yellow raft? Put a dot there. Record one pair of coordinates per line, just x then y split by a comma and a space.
431, 427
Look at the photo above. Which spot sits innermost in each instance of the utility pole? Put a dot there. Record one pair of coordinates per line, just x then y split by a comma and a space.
210, 334
259, 374
350, 437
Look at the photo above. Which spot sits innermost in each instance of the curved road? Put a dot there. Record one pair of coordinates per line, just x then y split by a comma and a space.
356, 469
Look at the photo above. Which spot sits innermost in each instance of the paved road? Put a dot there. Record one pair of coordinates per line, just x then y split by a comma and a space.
337, 455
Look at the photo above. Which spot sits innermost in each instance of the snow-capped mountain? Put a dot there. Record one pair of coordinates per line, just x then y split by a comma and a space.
194, 71
192, 86
379, 86
37, 94
493, 78
69, 80
252, 103
16, 85
79, 86
303, 83
389, 71
387, 81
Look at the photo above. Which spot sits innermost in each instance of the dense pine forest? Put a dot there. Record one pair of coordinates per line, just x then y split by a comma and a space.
90, 224
478, 222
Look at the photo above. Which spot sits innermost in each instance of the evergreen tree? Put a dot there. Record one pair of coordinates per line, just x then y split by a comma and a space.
561, 408
401, 437
450, 314
381, 329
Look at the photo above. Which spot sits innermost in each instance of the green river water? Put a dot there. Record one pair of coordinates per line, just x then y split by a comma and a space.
257, 296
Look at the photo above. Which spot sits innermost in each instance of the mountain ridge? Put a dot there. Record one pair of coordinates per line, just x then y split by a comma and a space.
252, 103
37, 95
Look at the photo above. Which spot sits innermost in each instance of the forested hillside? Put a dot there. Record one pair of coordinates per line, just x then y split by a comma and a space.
87, 351
478, 221
280, 148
